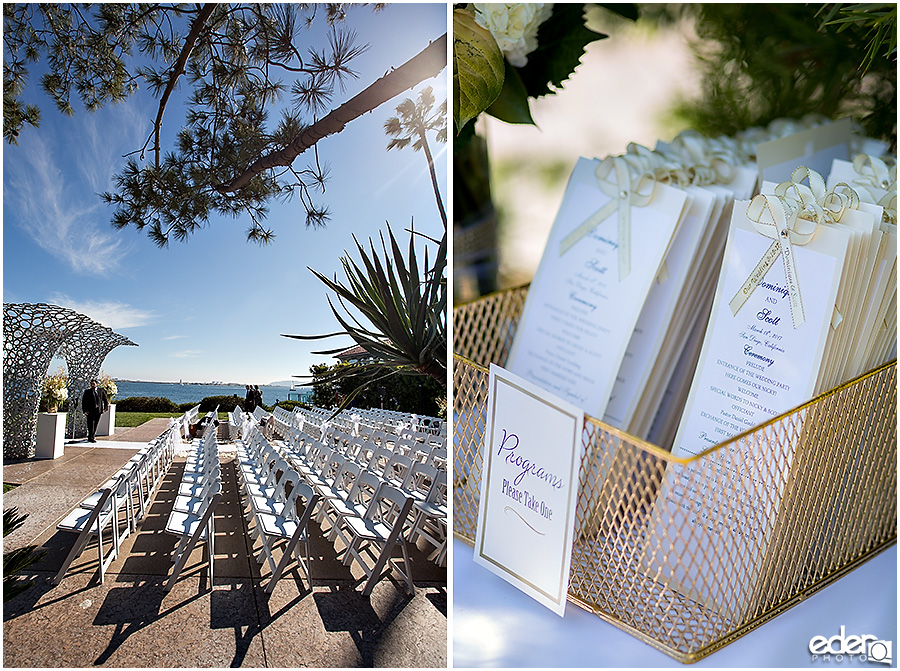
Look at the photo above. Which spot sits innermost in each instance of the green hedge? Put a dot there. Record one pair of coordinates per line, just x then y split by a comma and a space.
290, 405
146, 404
225, 403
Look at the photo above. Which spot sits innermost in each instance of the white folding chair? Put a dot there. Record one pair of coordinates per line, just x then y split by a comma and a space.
430, 521
374, 536
287, 526
193, 528
355, 504
98, 515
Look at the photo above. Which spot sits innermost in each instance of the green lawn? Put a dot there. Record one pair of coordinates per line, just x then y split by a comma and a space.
129, 419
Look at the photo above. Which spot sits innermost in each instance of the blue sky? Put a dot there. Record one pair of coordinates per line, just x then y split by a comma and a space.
212, 308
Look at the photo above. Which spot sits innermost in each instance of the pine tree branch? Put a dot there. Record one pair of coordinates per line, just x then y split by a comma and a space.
197, 26
428, 63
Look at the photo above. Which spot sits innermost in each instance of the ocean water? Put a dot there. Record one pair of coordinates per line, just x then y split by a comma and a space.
194, 393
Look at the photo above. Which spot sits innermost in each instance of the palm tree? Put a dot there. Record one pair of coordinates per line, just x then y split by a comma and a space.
416, 118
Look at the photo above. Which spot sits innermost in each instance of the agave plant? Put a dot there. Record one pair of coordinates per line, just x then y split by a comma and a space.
406, 311
18, 560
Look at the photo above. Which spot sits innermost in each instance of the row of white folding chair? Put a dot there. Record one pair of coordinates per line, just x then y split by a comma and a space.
296, 441
370, 522
425, 438
348, 491
386, 416
381, 419
283, 419
363, 450
394, 459
100, 517
430, 522
336, 475
152, 463
426, 484
394, 467
272, 488
192, 518
127, 493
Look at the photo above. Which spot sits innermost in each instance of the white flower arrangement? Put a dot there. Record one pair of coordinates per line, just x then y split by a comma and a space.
514, 26
55, 390
105, 382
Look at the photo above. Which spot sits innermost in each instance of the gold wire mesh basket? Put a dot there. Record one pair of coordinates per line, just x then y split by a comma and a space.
690, 554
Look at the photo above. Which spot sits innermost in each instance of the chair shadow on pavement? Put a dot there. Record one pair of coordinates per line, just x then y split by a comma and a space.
438, 599
344, 608
236, 609
56, 549
133, 608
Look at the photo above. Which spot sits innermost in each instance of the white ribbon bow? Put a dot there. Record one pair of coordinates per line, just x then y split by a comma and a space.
877, 183
814, 202
614, 179
773, 217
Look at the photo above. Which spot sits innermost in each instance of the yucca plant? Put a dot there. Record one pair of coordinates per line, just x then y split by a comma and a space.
15, 561
405, 310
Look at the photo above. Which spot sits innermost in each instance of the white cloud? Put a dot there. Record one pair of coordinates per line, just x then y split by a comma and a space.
114, 315
174, 337
102, 157
55, 219
61, 211
187, 354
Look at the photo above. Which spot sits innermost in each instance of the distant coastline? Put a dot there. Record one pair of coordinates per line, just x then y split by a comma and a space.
195, 392
277, 383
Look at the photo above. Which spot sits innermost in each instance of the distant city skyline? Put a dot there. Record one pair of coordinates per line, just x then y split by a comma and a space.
213, 308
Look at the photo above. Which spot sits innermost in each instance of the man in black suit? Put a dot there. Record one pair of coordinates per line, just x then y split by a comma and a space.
93, 404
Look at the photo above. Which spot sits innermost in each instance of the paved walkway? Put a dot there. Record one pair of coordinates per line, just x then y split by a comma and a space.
128, 621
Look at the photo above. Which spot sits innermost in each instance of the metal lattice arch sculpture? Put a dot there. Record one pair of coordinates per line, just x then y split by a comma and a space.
84, 353
33, 333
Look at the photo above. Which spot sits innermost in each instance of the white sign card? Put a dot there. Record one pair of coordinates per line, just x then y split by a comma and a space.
581, 310
815, 148
529, 488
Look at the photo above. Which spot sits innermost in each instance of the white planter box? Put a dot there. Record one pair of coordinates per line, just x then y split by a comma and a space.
51, 427
107, 424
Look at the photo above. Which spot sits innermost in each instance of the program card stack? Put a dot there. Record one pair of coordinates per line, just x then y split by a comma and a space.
806, 299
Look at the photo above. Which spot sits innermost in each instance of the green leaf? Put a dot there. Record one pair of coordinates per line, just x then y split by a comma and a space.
561, 42
512, 104
478, 68
626, 10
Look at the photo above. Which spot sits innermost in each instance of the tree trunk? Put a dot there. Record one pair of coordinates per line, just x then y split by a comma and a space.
437, 193
428, 63
434, 370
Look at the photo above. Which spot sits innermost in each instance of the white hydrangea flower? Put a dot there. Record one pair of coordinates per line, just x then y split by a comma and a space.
514, 26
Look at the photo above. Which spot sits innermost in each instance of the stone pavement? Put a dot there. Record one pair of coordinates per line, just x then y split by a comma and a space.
128, 621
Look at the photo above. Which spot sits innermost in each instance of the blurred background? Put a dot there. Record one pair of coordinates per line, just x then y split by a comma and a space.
716, 68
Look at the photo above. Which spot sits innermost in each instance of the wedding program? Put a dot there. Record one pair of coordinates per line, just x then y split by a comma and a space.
604, 252
757, 361
803, 266
682, 301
